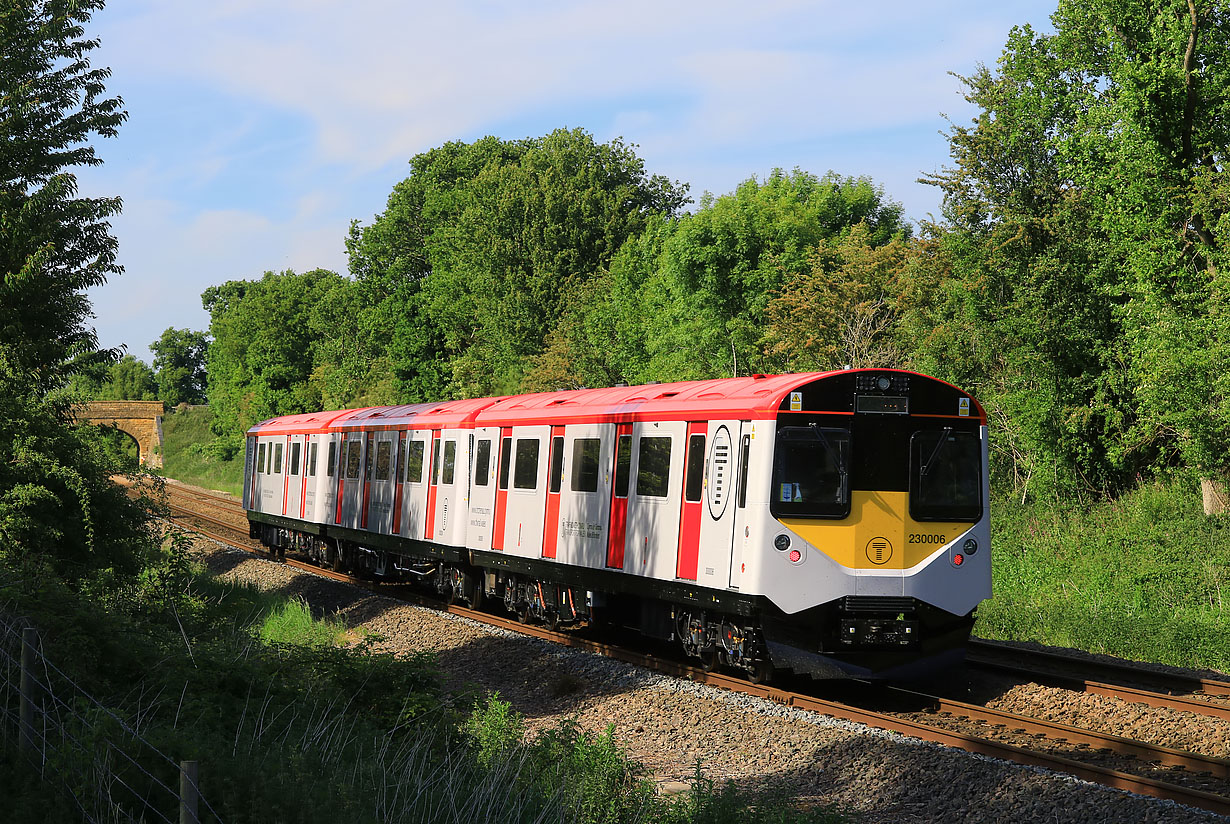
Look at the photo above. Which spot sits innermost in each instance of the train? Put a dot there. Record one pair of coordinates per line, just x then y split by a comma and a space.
831, 524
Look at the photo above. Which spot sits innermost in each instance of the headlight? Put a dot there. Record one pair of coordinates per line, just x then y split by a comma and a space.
883, 383
970, 546
782, 542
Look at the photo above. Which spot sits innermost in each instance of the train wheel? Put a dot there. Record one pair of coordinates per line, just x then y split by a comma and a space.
477, 594
523, 612
709, 658
760, 672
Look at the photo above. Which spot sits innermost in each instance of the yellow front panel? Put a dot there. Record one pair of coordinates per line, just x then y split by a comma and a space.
878, 534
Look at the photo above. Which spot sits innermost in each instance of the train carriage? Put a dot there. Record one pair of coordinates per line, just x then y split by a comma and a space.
831, 523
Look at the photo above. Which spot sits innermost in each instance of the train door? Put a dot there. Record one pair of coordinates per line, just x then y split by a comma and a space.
555, 483
350, 483
330, 444
652, 532
249, 472
399, 480
620, 487
501, 489
585, 502
526, 501
720, 493
414, 485
450, 485
314, 486
483, 487
293, 504
433, 481
743, 467
277, 470
380, 486
688, 556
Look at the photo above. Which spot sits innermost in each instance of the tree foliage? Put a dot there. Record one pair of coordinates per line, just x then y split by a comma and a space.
179, 363
261, 359
53, 244
59, 511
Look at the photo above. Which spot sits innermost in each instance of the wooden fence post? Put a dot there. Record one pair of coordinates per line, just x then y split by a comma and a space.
189, 793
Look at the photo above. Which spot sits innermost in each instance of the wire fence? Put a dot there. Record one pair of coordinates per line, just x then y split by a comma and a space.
97, 757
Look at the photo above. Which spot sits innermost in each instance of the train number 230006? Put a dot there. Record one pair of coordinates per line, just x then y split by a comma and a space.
922, 538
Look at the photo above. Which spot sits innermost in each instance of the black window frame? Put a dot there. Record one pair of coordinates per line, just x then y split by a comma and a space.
482, 462
834, 441
332, 463
505, 460
920, 451
384, 460
586, 464
295, 454
527, 463
416, 451
649, 458
694, 469
449, 475
260, 459
623, 465
313, 448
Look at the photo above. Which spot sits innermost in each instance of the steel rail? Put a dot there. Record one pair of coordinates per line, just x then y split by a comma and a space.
1178, 682
1118, 779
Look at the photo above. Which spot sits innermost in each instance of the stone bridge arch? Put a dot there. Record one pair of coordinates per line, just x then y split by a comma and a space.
141, 420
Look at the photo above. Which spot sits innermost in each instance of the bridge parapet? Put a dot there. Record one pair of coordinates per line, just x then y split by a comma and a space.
140, 420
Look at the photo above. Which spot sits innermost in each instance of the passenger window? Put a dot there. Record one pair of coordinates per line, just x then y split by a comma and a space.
312, 460
482, 462
260, 459
277, 458
352, 456
450, 461
294, 459
369, 458
505, 461
557, 463
384, 460
653, 470
401, 461
414, 462
696, 468
332, 462
525, 474
435, 460
623, 465
585, 454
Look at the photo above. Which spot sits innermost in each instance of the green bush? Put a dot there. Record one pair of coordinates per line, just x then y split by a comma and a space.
1143, 577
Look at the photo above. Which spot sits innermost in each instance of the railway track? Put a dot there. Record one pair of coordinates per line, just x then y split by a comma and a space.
1205, 780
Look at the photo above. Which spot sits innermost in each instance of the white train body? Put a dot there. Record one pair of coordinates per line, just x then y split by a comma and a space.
831, 523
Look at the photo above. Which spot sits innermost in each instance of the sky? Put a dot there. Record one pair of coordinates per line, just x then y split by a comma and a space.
259, 129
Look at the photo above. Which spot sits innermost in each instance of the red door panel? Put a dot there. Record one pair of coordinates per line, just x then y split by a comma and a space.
693, 491
619, 495
501, 490
555, 475
429, 522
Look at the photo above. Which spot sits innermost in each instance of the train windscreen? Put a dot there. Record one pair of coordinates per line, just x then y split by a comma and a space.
945, 475
811, 472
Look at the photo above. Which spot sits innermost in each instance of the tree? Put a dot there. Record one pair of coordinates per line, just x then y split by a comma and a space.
53, 244
707, 293
129, 379
179, 362
842, 310
264, 345
479, 250
1092, 185
59, 511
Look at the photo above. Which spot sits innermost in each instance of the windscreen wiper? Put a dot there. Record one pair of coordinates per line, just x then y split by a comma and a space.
939, 446
834, 457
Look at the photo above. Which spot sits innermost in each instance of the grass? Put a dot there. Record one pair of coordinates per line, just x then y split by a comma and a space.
1145, 577
289, 726
187, 455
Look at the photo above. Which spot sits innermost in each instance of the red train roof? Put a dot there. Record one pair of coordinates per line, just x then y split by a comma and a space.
749, 398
